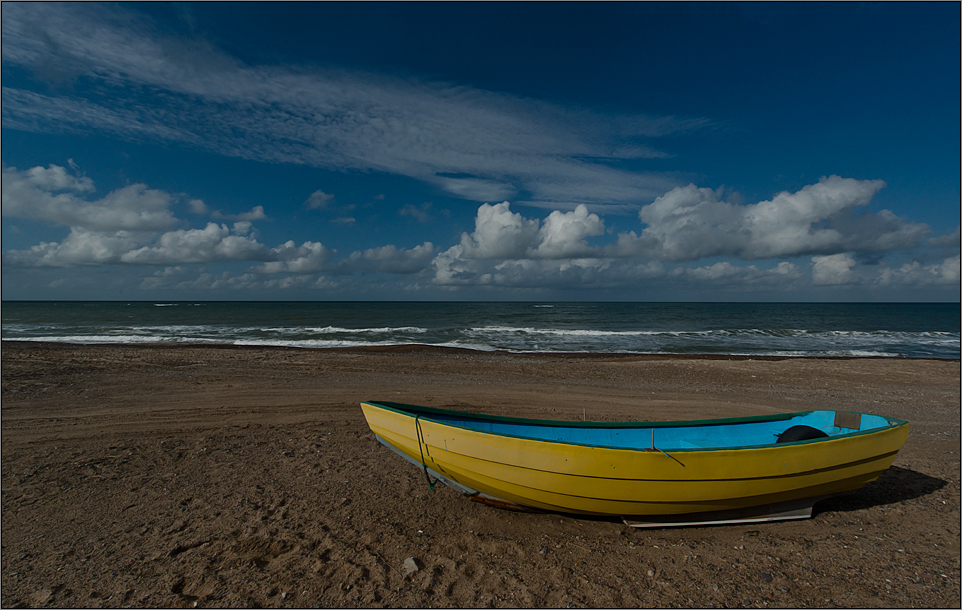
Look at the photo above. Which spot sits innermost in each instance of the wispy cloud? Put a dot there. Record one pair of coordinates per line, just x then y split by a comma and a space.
475, 144
256, 213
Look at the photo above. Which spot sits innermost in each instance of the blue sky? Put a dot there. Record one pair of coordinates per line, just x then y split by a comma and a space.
678, 151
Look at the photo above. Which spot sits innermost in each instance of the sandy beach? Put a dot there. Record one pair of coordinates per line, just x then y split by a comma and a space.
198, 476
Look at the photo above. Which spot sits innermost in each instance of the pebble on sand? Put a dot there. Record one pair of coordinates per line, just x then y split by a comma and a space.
410, 566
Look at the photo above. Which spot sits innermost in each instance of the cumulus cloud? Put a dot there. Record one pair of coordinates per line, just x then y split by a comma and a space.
391, 259
452, 269
309, 257
184, 279
916, 274
685, 224
80, 247
564, 250
475, 144
499, 233
211, 244
54, 195
318, 200
119, 227
577, 274
834, 270
162, 279
127, 226
562, 234
205, 281
689, 223
948, 240
506, 247
845, 270
746, 277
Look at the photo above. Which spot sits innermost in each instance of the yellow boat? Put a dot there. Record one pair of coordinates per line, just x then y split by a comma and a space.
649, 473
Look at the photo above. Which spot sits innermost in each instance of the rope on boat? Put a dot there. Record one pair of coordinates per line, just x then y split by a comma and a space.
653, 449
417, 427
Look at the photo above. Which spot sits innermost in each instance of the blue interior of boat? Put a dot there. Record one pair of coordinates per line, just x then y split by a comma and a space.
711, 436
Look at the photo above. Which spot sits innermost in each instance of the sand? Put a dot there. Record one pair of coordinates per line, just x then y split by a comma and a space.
192, 476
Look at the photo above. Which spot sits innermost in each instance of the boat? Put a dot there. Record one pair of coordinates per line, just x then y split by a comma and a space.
650, 474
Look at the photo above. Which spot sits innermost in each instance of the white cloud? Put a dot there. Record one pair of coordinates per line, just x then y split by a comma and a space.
309, 257
391, 259
686, 224
36, 112
562, 234
725, 273
53, 195
124, 227
162, 279
80, 247
420, 212
689, 223
507, 249
210, 244
578, 274
474, 144
499, 233
451, 268
182, 280
843, 269
256, 213
917, 274
949, 240
475, 189
834, 270
221, 281
318, 200
289, 282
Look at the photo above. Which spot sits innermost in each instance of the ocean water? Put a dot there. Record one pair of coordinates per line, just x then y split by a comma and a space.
909, 330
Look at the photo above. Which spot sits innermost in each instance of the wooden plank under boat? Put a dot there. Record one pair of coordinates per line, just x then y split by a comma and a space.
648, 473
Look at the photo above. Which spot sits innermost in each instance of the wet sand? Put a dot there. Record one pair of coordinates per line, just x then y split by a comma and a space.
193, 476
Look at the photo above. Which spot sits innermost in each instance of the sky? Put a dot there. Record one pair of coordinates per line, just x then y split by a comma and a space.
492, 151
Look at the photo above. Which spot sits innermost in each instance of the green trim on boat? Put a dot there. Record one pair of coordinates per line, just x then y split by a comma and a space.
416, 409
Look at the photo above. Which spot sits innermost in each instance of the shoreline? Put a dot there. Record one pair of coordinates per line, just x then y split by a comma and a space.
442, 349
190, 476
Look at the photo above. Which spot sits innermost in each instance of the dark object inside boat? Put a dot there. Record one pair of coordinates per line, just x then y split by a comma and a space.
800, 433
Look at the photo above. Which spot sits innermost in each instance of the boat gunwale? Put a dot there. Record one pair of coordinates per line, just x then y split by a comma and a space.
418, 412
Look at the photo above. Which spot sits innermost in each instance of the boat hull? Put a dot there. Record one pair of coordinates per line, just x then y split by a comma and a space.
593, 480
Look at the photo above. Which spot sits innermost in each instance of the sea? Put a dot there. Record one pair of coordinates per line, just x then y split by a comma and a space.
896, 330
